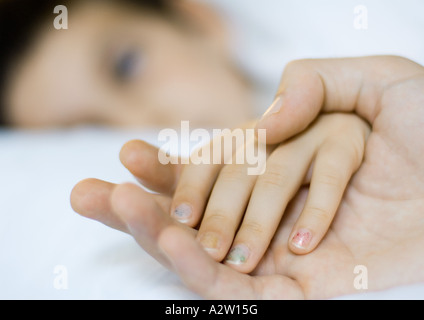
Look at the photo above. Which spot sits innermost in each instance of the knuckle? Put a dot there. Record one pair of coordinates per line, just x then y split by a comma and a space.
218, 218
254, 227
342, 156
357, 148
274, 176
336, 162
319, 213
189, 191
331, 178
232, 172
336, 123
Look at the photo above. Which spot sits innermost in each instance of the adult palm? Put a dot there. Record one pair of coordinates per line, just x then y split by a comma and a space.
379, 224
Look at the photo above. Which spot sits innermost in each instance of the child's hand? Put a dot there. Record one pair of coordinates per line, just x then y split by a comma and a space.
243, 211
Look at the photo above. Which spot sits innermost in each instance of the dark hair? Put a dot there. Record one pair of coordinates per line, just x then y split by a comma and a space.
21, 20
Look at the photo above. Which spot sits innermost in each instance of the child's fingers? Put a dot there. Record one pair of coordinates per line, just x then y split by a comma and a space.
198, 178
335, 163
192, 192
285, 171
141, 159
225, 209
340, 141
91, 198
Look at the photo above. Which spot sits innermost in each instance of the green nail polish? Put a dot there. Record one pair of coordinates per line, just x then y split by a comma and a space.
238, 254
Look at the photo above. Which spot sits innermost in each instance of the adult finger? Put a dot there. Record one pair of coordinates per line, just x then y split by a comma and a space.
145, 216
91, 199
141, 159
311, 86
213, 280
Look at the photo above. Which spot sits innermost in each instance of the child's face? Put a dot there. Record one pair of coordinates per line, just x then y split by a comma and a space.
119, 67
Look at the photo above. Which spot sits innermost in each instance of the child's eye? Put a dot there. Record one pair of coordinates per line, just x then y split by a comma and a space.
127, 65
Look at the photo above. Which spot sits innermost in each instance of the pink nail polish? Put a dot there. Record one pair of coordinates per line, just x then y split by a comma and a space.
302, 238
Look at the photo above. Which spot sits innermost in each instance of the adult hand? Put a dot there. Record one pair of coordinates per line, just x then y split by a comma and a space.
379, 224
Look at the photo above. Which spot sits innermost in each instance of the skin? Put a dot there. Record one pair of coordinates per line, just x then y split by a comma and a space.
242, 211
379, 223
124, 66
70, 77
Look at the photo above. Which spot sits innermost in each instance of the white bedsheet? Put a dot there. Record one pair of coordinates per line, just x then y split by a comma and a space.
40, 234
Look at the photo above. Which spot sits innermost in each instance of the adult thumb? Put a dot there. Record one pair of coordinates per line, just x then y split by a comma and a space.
309, 87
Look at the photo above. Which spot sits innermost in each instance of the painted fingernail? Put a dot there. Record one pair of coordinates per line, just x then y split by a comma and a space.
274, 107
302, 238
238, 254
183, 212
210, 241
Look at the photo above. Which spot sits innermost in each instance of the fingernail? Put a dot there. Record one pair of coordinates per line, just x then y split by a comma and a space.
302, 238
183, 212
274, 107
238, 254
209, 241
